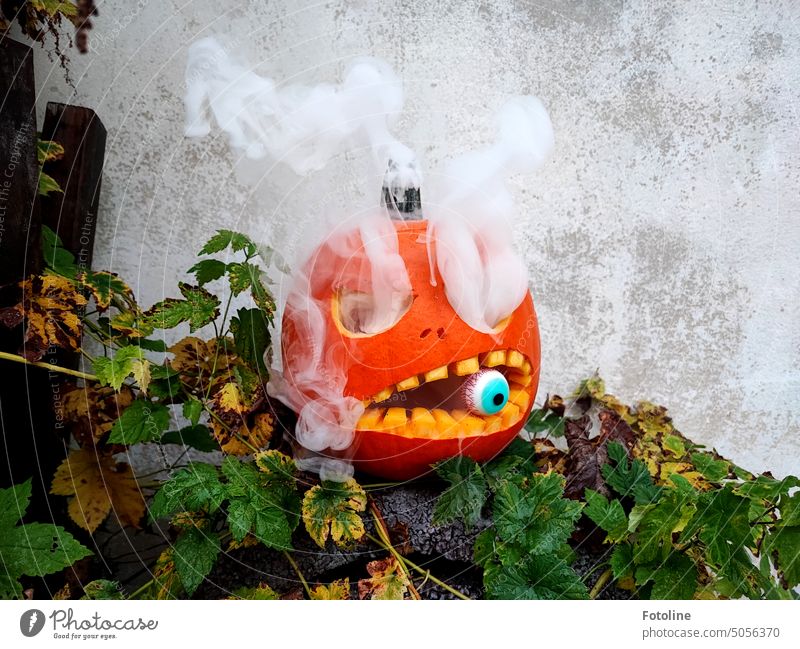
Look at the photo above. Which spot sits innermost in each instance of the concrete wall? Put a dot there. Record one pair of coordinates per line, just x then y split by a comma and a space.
662, 237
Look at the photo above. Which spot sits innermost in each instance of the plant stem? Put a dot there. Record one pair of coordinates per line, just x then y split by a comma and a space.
602, 580
294, 565
48, 366
141, 589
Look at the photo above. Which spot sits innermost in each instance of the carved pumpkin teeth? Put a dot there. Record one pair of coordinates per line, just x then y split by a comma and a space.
467, 366
437, 374
371, 419
407, 384
395, 418
523, 380
519, 397
423, 421
444, 422
514, 359
495, 358
383, 395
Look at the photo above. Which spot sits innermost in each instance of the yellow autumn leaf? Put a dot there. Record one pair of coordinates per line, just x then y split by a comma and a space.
92, 410
387, 581
166, 583
141, 373
339, 589
332, 509
203, 365
97, 484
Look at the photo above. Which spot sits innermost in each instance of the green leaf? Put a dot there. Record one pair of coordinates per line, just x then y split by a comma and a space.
38, 549
545, 421
465, 497
622, 561
674, 445
103, 589
523, 450
713, 470
608, 516
537, 517
208, 270
192, 409
104, 286
152, 345
241, 276
535, 577
789, 507
767, 488
113, 371
47, 150
224, 238
332, 509
47, 185
198, 309
723, 524
484, 549
256, 506
260, 592
197, 487
262, 297
655, 524
675, 578
142, 421
56, 257
629, 478
196, 552
9, 588
198, 437
785, 543
251, 337
14, 503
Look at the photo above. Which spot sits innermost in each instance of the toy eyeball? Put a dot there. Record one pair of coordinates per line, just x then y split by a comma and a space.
486, 392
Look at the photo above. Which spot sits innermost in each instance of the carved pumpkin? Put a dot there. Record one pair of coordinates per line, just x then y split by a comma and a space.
412, 376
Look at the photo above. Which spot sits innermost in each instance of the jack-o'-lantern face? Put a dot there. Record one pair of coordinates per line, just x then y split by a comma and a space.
432, 386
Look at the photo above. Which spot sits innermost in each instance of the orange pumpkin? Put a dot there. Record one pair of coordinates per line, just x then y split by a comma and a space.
410, 376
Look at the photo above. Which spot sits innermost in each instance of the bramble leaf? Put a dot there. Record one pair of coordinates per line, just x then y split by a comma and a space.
536, 516
675, 578
332, 509
544, 576
465, 497
629, 478
197, 487
196, 552
224, 238
608, 516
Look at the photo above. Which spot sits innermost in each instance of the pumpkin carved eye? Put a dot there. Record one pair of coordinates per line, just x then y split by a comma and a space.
359, 315
486, 392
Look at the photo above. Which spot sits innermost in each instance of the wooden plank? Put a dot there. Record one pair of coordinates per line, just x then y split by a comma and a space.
73, 214
20, 224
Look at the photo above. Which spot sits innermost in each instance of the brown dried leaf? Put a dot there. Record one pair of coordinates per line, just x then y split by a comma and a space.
387, 581
92, 410
49, 310
204, 366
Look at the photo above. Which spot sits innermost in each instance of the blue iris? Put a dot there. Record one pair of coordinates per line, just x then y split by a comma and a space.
492, 393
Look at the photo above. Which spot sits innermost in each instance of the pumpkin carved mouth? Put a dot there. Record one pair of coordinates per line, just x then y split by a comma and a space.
431, 405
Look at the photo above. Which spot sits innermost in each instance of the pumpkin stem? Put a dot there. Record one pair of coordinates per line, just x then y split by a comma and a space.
400, 193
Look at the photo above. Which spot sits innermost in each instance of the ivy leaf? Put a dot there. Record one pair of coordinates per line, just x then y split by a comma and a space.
655, 524
608, 516
198, 437
544, 421
98, 485
339, 589
198, 308
465, 497
713, 470
675, 578
224, 238
142, 421
537, 516
197, 487
333, 509
102, 589
784, 543
208, 270
34, 549
387, 581
251, 337
196, 552
723, 524
629, 478
544, 576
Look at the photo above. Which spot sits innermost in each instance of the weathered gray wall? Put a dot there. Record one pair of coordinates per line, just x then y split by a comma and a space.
662, 237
